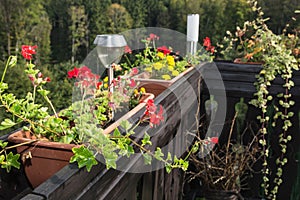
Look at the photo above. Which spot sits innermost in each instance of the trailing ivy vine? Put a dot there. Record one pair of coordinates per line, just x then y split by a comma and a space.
279, 62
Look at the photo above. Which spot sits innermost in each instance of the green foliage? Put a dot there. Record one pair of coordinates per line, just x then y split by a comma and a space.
10, 160
38, 21
276, 52
84, 158
119, 19
138, 11
26, 21
78, 28
81, 123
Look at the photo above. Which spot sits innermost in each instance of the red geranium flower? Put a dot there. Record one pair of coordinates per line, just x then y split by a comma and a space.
98, 85
127, 49
132, 83
207, 44
47, 79
151, 115
157, 118
152, 36
28, 51
164, 49
134, 71
214, 140
73, 73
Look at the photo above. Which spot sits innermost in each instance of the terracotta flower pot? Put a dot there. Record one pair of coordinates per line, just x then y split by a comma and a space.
42, 159
157, 86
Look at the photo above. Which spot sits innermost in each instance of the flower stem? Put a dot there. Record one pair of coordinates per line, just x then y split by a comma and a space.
5, 69
34, 92
128, 61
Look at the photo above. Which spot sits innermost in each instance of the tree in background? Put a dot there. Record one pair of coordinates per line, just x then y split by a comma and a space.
119, 19
78, 28
25, 22
97, 18
60, 34
138, 11
280, 13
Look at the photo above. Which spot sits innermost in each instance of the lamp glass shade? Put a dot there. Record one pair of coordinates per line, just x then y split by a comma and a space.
110, 48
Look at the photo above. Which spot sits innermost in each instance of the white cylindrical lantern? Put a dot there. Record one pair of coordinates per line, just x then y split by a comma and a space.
192, 33
192, 27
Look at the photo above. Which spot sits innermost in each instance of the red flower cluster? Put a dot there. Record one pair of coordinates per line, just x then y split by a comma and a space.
214, 140
85, 76
150, 114
207, 44
211, 140
127, 49
152, 36
28, 51
164, 49
134, 71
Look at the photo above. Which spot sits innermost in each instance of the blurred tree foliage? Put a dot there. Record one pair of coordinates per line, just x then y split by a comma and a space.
64, 30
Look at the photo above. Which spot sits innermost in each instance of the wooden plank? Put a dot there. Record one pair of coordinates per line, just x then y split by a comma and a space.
147, 192
70, 178
239, 79
159, 185
33, 197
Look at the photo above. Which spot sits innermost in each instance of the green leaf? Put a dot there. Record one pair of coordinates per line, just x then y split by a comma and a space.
7, 123
158, 154
110, 159
43, 92
116, 133
12, 61
169, 157
11, 161
2, 158
146, 140
126, 125
84, 158
147, 158
3, 144
168, 168
195, 148
3, 86
67, 139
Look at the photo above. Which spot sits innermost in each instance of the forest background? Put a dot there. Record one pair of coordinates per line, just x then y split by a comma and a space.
64, 30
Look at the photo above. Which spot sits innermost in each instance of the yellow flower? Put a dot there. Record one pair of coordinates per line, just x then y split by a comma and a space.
143, 90
175, 73
148, 69
161, 55
105, 85
166, 77
105, 79
171, 60
157, 65
170, 68
135, 91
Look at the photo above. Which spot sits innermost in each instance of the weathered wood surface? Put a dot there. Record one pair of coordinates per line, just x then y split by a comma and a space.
239, 79
100, 183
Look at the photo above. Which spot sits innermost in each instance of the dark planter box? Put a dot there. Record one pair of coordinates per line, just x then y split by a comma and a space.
239, 81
